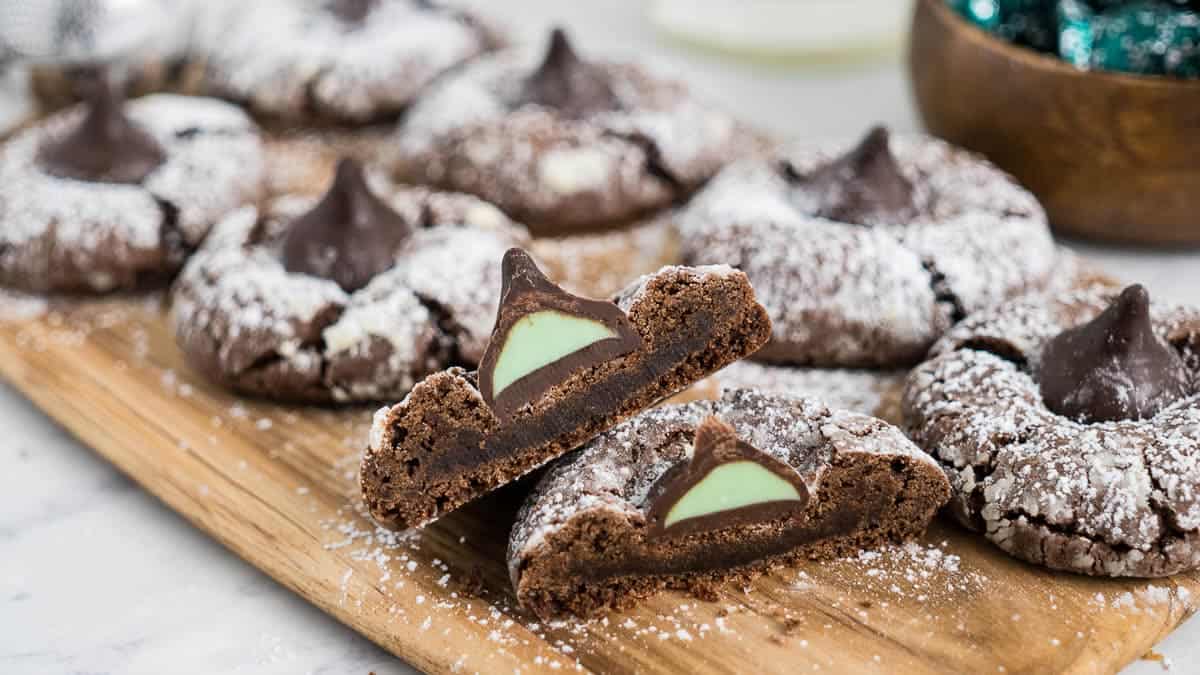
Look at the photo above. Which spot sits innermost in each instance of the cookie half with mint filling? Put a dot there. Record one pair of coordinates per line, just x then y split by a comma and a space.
692, 496
558, 370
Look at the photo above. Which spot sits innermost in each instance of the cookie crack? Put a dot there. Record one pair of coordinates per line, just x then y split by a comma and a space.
655, 165
972, 515
999, 348
449, 339
312, 105
172, 242
426, 218
1166, 515
315, 346
942, 292
1068, 531
189, 133
168, 229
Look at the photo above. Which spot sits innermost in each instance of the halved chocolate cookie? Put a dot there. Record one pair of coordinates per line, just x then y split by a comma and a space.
688, 496
558, 370
1069, 427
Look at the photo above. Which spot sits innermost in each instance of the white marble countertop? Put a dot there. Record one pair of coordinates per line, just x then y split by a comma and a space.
96, 576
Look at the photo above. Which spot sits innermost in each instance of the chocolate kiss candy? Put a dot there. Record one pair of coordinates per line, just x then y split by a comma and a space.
727, 482
1113, 367
105, 147
865, 186
349, 236
351, 11
543, 335
568, 83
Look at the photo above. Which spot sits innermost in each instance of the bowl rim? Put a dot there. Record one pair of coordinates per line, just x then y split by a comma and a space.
1045, 62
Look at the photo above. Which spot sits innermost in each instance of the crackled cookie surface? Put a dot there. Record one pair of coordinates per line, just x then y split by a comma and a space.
353, 296
338, 61
1070, 429
112, 194
688, 496
558, 369
563, 143
868, 392
865, 255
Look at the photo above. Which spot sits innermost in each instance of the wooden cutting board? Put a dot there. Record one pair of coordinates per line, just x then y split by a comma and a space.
277, 485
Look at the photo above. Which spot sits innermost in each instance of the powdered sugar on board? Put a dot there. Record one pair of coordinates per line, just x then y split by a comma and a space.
18, 306
978, 610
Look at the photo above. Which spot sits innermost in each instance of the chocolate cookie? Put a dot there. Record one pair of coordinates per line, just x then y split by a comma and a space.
337, 62
158, 64
864, 256
1069, 427
558, 370
56, 87
351, 297
687, 496
113, 195
563, 143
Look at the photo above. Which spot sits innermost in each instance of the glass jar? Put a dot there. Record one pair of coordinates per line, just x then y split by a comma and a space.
786, 31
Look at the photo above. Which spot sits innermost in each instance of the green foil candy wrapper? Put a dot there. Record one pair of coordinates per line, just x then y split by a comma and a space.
1146, 37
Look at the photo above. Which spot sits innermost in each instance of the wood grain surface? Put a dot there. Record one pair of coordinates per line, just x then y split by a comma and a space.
1111, 156
277, 486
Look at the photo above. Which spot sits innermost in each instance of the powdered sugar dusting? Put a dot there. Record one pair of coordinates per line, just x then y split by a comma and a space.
235, 304
635, 291
1113, 498
474, 132
617, 469
853, 295
869, 392
289, 58
106, 232
18, 306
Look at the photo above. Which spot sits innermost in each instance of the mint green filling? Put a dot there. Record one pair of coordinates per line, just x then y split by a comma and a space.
541, 338
731, 486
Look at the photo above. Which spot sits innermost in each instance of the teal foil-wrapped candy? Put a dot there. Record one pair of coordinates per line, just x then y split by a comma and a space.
983, 13
1025, 22
1076, 32
1147, 37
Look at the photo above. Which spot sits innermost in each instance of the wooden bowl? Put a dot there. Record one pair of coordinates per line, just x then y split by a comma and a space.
1111, 156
